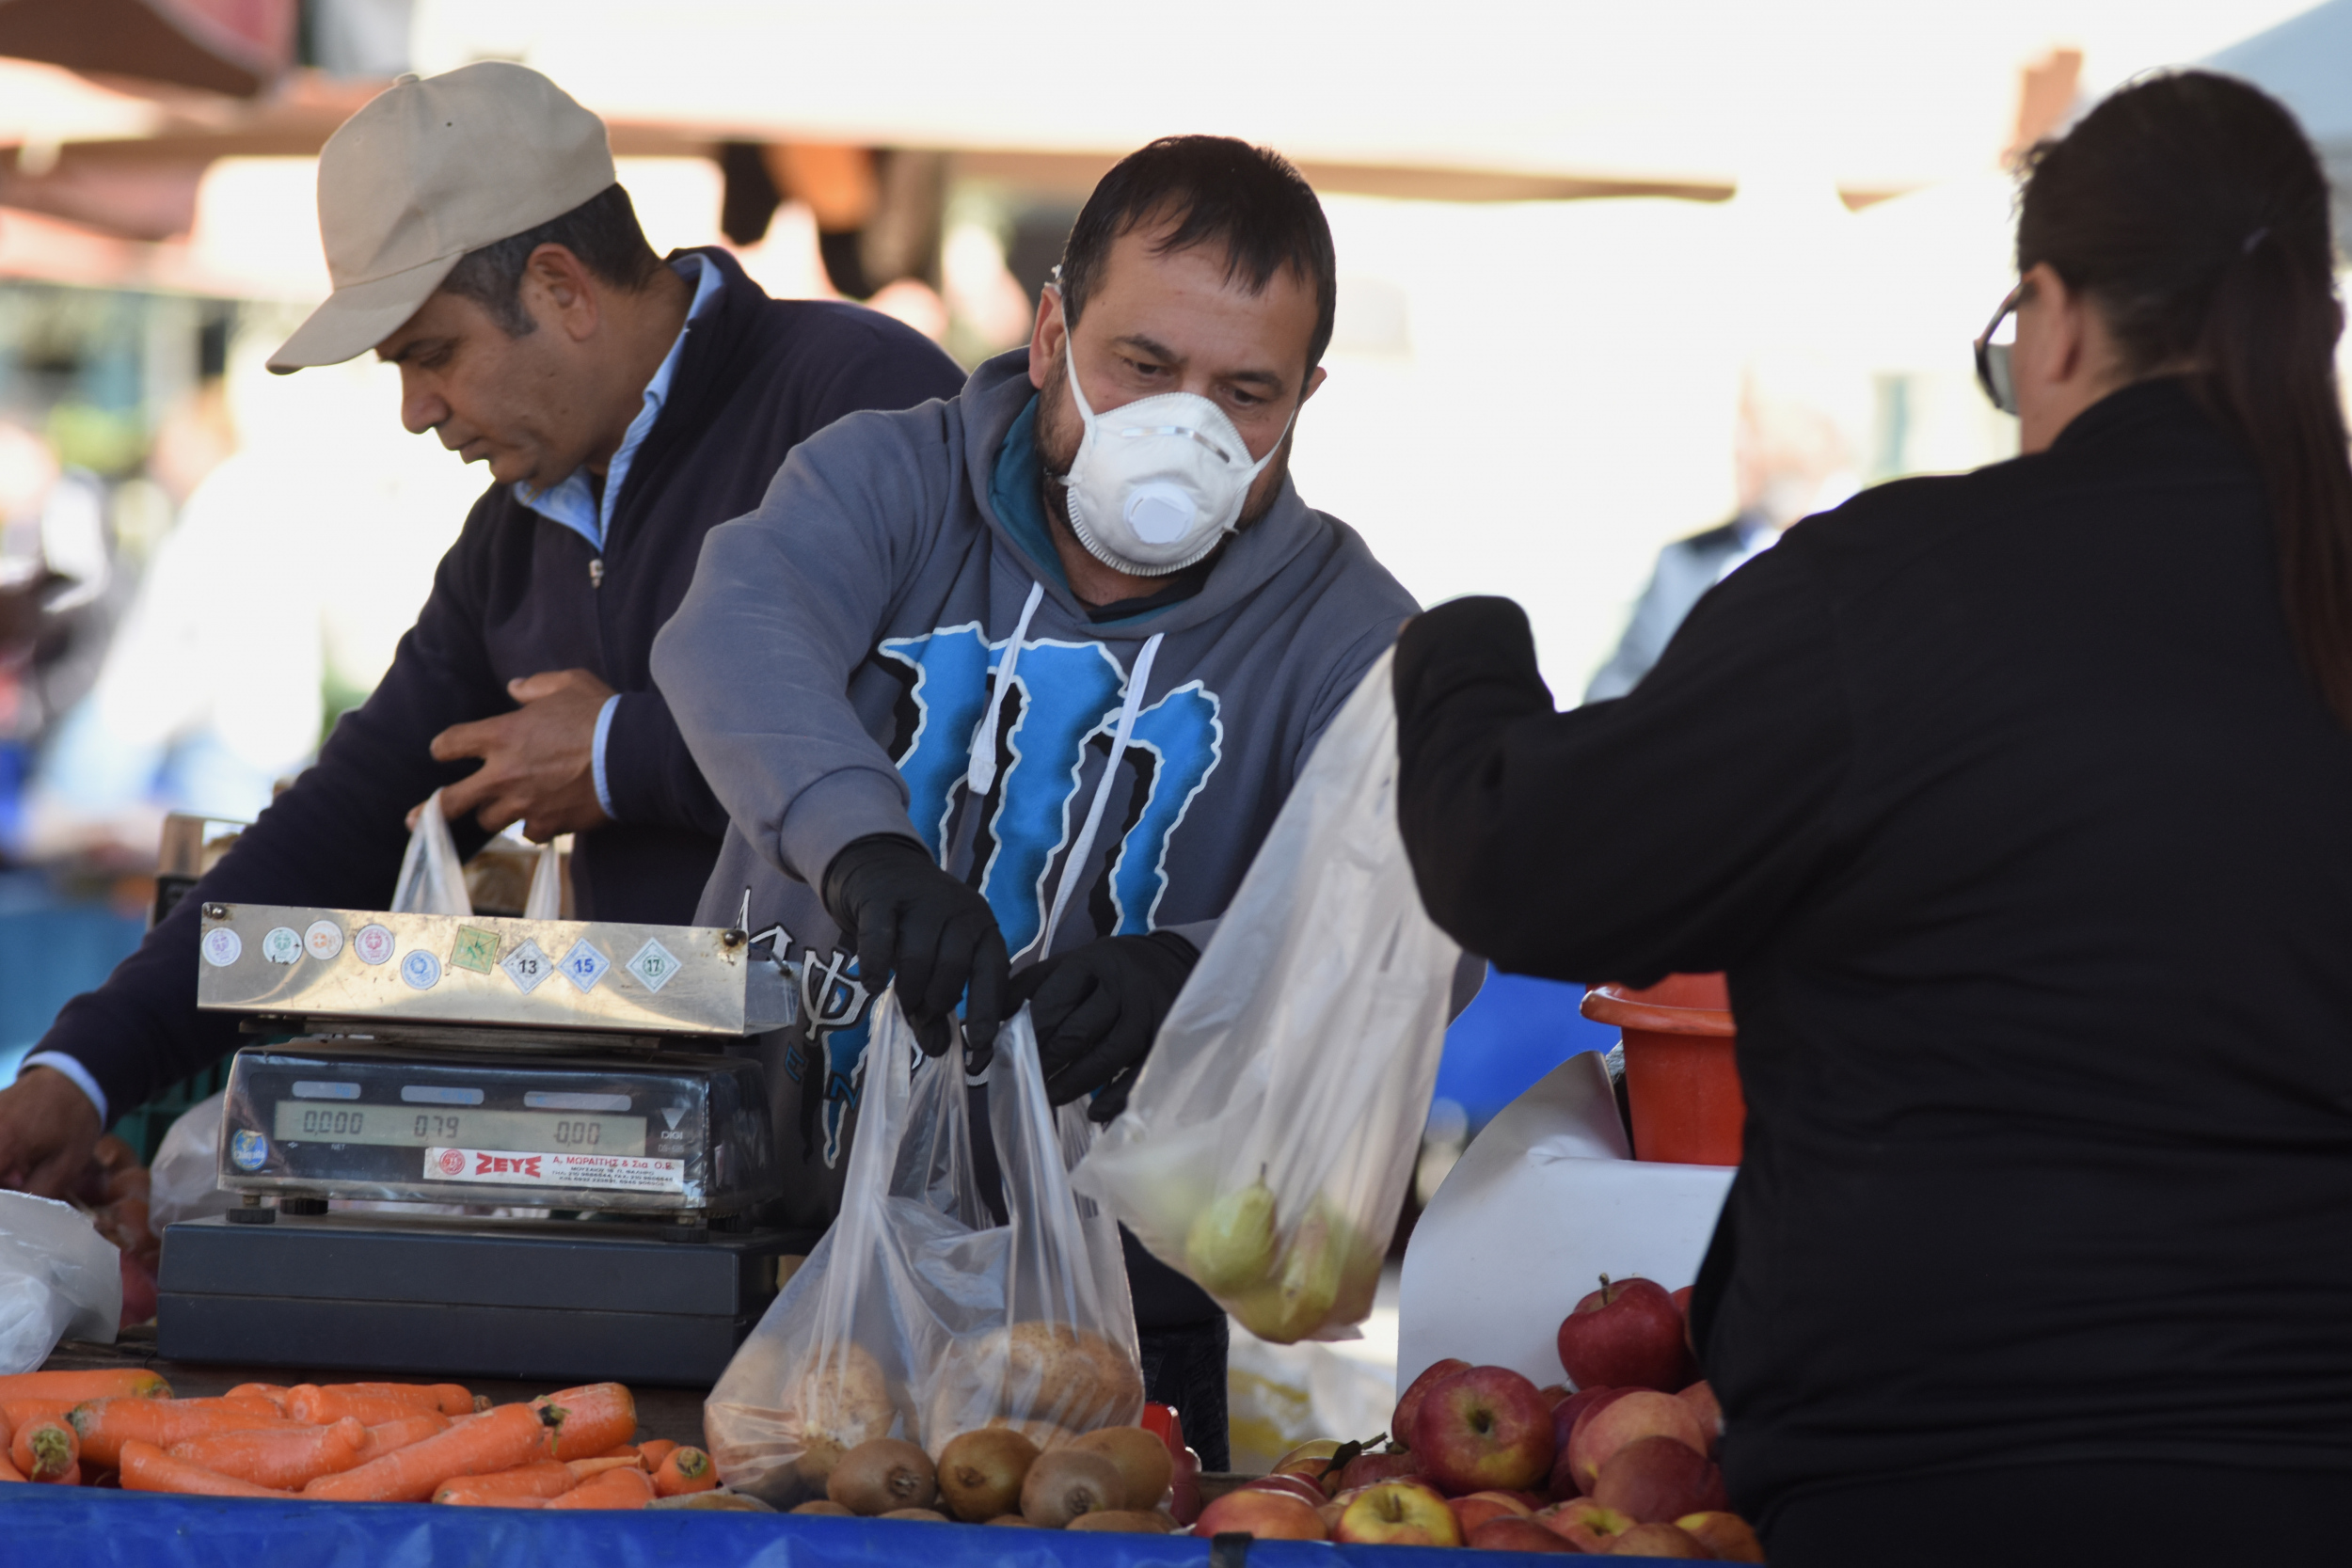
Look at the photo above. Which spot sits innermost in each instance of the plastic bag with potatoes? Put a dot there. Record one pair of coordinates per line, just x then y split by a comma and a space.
919, 1315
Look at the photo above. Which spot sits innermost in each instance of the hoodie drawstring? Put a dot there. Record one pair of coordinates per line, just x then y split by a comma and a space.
1139, 678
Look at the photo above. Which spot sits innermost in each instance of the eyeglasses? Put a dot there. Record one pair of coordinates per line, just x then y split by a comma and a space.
1992, 359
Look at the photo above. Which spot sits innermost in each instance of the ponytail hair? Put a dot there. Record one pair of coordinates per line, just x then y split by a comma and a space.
2192, 211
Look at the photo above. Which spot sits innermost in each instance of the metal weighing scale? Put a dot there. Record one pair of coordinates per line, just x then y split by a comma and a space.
562, 1073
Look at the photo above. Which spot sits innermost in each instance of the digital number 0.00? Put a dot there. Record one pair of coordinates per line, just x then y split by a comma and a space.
578, 1132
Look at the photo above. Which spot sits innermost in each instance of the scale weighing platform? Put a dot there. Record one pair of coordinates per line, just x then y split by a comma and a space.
554, 1167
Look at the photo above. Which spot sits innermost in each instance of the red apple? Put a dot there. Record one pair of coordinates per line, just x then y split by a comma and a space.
1585, 1523
1512, 1533
1626, 1335
1472, 1512
1658, 1479
1409, 1404
1682, 1305
1556, 1392
1398, 1513
1482, 1429
1682, 1299
1290, 1486
1643, 1412
1726, 1535
1700, 1397
1657, 1541
1369, 1469
1268, 1515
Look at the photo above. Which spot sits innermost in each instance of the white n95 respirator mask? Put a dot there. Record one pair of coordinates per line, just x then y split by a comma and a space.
1158, 481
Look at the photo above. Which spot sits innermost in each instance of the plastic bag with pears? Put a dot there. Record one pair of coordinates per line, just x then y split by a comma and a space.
1266, 1147
919, 1315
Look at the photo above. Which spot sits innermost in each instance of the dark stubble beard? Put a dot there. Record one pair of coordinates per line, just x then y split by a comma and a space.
1059, 430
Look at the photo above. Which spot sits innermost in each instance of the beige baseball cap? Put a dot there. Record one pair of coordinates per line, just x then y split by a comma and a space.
427, 171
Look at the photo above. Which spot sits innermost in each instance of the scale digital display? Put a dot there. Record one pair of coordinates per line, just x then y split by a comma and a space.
405, 1127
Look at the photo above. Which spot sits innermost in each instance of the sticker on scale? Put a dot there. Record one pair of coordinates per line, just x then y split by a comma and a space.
282, 946
585, 965
324, 939
421, 968
247, 1150
526, 966
653, 966
373, 943
221, 946
628, 1173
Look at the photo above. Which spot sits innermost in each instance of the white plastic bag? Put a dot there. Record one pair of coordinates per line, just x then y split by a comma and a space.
545, 901
432, 879
59, 1278
186, 1175
1266, 1147
917, 1316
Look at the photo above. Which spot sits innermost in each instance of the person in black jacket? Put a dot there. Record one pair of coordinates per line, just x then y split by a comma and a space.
2014, 805
623, 406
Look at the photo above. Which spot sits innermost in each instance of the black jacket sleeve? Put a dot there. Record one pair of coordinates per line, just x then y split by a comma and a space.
649, 772
1664, 832
334, 839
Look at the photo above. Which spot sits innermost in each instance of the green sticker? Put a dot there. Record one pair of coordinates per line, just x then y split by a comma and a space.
475, 950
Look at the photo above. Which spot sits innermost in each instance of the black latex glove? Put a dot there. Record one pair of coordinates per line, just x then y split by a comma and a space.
912, 921
1097, 1008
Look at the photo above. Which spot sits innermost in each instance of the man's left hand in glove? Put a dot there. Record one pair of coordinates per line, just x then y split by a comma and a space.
1097, 1010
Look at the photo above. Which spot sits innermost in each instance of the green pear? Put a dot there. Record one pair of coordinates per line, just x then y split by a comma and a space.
1299, 1298
1229, 1247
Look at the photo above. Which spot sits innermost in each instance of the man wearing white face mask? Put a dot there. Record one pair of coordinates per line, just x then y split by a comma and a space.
1002, 692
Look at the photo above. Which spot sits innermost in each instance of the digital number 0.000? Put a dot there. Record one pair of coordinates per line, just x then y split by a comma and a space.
327, 1124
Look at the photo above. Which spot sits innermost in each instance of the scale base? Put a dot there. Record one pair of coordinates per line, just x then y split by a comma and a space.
579, 1302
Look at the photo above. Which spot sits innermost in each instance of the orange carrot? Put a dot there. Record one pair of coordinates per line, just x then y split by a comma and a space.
583, 1468
589, 1420
134, 1383
535, 1482
8, 1471
148, 1468
15, 1413
620, 1487
651, 1454
104, 1425
375, 1403
385, 1436
44, 1451
619, 1451
685, 1470
275, 1393
72, 1476
286, 1458
509, 1435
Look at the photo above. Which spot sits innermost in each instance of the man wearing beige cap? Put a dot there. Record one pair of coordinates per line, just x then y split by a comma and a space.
477, 239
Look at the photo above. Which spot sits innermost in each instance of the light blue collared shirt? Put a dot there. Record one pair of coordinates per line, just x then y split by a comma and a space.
574, 503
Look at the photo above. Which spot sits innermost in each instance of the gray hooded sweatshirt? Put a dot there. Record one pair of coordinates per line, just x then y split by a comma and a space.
842, 646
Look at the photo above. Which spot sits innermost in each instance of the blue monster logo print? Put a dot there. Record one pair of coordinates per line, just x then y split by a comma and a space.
1063, 703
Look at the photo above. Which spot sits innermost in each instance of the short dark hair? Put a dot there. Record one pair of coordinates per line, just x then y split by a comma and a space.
1250, 200
602, 231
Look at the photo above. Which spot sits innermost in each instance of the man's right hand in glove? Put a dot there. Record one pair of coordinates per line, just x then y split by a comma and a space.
911, 921
48, 1128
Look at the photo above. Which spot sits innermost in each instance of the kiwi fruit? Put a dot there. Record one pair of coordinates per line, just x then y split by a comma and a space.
882, 1473
1126, 1521
1143, 1461
822, 1505
1067, 1482
981, 1472
928, 1516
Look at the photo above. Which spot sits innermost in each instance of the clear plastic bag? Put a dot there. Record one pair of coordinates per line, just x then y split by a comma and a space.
545, 901
59, 1278
432, 879
918, 1316
1266, 1147
186, 1175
